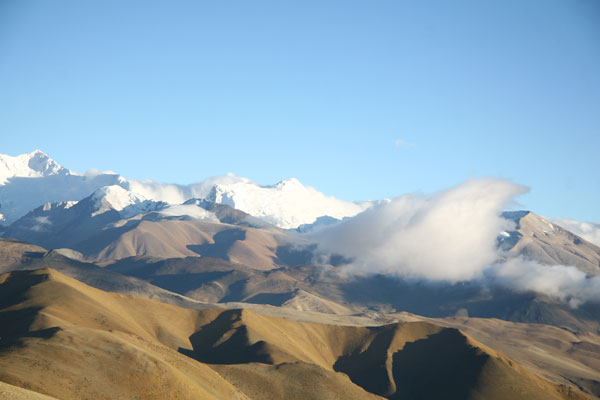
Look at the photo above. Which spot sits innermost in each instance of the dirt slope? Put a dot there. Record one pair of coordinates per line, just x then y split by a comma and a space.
68, 340
63, 338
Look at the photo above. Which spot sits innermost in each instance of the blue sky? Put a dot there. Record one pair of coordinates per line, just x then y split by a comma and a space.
178, 91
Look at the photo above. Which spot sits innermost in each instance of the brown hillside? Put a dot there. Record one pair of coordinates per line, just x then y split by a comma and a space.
182, 238
68, 340
14, 252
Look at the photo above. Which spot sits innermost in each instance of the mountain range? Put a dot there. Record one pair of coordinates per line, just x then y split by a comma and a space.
229, 289
286, 204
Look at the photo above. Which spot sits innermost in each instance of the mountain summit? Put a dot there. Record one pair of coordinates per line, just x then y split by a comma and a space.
31, 180
287, 204
32, 165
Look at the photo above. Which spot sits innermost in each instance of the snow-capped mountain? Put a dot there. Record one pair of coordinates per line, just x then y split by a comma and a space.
127, 203
286, 204
33, 165
32, 180
70, 221
114, 223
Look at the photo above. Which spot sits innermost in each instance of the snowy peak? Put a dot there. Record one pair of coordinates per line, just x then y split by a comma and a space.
116, 197
288, 184
44, 165
127, 203
65, 205
286, 204
32, 165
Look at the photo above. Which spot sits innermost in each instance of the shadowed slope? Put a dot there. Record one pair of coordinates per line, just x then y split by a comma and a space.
326, 289
405, 360
90, 274
14, 252
101, 233
65, 339
216, 280
182, 238
555, 354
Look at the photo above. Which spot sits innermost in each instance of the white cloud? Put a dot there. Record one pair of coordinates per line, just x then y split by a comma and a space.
402, 143
588, 230
176, 194
190, 210
43, 220
449, 236
561, 282
41, 224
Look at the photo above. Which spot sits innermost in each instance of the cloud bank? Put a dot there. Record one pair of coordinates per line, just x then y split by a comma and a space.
564, 283
449, 237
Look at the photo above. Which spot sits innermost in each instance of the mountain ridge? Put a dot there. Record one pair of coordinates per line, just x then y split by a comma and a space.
291, 204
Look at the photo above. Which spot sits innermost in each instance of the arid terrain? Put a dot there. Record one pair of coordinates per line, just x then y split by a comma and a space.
118, 296
65, 339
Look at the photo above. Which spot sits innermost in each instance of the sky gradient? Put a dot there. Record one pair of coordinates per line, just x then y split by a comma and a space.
361, 100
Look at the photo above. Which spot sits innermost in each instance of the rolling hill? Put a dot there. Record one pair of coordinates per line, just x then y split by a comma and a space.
65, 339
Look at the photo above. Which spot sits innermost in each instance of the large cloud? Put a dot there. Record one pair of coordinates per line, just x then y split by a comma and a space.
449, 236
561, 282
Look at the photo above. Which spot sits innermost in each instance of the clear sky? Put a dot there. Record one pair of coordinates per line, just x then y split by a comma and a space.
359, 99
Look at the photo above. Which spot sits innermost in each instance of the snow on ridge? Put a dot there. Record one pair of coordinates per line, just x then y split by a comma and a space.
61, 204
31, 165
126, 202
117, 197
286, 204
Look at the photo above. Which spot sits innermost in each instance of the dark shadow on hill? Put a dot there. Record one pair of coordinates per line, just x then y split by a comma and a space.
274, 299
443, 365
222, 243
225, 341
367, 368
292, 255
182, 283
34, 254
439, 300
13, 289
235, 291
16, 324
591, 385
101, 238
419, 297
